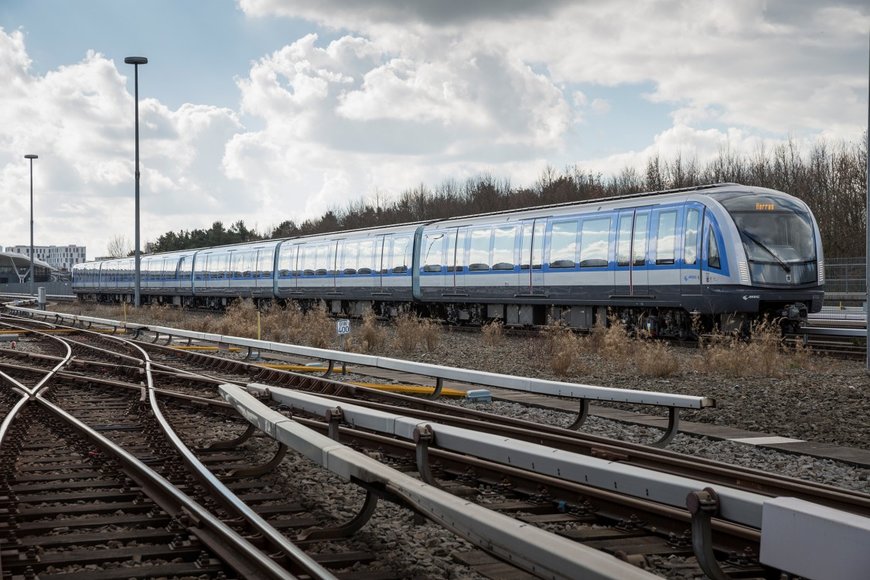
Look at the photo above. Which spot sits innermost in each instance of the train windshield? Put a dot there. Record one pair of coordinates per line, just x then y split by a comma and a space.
778, 237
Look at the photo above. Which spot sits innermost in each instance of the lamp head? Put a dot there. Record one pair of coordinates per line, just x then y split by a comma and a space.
136, 60
31, 156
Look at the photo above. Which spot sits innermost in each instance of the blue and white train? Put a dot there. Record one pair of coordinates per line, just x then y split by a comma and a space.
723, 253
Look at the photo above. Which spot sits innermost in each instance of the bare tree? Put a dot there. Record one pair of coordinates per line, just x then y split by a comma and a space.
119, 247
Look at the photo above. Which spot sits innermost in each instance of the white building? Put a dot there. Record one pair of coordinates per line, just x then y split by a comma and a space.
60, 257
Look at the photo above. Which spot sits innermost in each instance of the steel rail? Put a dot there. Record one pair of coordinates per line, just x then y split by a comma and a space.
647, 507
175, 502
556, 388
299, 558
622, 451
253, 558
626, 452
796, 520
738, 506
523, 545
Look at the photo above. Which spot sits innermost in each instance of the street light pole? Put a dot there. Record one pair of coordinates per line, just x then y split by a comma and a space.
32, 258
136, 61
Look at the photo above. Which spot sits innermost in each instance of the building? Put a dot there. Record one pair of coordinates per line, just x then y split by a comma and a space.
61, 258
14, 268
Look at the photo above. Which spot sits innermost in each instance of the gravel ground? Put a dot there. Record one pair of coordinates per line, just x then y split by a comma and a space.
825, 400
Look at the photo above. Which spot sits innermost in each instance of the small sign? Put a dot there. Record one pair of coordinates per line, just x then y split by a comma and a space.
343, 326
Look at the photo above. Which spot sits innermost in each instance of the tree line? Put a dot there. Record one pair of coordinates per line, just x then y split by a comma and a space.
830, 178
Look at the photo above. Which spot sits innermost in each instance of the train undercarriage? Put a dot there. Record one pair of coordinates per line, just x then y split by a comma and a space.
662, 322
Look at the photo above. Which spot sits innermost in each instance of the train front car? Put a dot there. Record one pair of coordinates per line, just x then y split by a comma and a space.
777, 254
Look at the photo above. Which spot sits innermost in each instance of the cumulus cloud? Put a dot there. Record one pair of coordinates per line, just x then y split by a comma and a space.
335, 114
776, 66
79, 119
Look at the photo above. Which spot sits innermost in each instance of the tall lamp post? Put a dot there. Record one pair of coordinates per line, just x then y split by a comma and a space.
32, 258
136, 61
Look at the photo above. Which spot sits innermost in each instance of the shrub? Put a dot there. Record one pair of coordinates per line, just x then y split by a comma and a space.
655, 359
283, 323
492, 333
319, 328
734, 356
564, 347
412, 331
615, 343
370, 336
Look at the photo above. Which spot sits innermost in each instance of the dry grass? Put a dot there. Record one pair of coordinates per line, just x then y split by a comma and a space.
412, 331
655, 359
283, 324
370, 336
562, 351
616, 344
565, 349
492, 333
764, 355
319, 330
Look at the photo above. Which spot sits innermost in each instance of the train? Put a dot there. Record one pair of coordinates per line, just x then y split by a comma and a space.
719, 255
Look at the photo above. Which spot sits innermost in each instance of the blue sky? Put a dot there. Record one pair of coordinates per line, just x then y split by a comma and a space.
266, 110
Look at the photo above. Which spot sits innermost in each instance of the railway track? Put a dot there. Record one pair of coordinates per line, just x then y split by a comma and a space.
102, 380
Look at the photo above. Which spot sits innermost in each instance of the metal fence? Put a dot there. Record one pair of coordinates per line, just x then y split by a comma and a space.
846, 276
51, 288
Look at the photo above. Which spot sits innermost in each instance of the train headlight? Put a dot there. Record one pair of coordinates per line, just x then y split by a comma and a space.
821, 270
743, 272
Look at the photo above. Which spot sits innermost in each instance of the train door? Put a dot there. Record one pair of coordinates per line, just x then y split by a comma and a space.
530, 279
395, 263
433, 264
691, 283
631, 276
454, 282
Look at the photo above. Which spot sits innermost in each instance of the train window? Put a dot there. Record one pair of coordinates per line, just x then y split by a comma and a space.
690, 246
563, 244
433, 255
324, 260
641, 225
478, 252
666, 236
349, 253
219, 266
365, 261
308, 259
265, 261
712, 249
595, 243
235, 264
533, 246
287, 259
623, 239
399, 255
503, 245
456, 250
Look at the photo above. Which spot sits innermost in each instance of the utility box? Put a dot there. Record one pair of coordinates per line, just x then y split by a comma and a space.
41, 297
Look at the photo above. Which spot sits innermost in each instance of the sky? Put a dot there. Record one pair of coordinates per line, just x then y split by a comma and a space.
274, 110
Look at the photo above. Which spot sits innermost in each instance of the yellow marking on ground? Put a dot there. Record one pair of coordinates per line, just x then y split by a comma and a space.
407, 389
411, 389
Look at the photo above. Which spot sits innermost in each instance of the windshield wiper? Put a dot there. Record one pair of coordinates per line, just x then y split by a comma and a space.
758, 243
